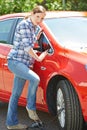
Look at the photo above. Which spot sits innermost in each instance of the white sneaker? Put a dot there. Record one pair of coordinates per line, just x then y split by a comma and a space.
33, 115
17, 127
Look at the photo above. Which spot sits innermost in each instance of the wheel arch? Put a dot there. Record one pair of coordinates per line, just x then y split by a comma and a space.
51, 93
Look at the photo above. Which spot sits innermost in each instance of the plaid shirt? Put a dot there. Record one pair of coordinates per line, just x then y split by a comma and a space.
24, 39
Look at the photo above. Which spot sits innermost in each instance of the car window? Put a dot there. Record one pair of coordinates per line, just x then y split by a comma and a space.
5, 27
44, 43
69, 32
19, 20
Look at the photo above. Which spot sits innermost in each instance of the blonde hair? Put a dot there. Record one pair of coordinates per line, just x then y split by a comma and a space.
37, 9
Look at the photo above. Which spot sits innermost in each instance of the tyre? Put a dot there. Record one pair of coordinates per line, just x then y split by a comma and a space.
69, 113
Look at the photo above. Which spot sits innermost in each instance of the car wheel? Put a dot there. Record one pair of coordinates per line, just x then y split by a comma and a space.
68, 107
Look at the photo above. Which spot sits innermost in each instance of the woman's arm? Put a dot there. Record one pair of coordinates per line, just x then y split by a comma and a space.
35, 56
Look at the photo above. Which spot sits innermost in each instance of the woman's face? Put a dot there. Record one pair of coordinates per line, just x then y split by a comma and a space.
37, 18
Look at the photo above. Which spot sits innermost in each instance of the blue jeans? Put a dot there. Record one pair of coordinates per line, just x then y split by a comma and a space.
21, 74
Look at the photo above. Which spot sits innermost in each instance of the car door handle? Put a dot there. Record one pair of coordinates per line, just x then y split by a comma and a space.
43, 68
5, 64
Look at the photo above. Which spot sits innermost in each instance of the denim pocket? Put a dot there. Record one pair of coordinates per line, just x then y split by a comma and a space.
12, 64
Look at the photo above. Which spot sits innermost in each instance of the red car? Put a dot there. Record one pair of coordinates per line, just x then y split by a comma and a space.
63, 87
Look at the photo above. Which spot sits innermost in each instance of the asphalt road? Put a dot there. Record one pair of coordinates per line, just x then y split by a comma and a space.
49, 120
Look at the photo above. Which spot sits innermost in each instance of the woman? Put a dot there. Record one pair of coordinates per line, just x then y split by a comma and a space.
19, 61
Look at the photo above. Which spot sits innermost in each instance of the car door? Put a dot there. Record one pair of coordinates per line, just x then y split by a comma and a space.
42, 68
7, 28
